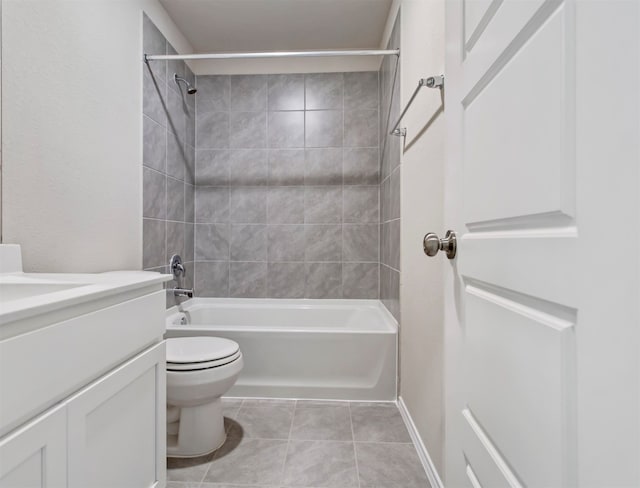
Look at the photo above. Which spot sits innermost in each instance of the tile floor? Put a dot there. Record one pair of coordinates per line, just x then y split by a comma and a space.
306, 444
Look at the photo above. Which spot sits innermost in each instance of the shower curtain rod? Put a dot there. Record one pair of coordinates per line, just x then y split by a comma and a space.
273, 54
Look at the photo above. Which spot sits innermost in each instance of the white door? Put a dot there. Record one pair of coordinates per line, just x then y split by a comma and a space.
542, 314
117, 427
35, 455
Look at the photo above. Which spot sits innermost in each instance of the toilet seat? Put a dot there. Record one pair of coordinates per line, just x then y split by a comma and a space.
202, 364
199, 353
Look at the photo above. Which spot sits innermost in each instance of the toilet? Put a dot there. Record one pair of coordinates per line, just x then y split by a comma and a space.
199, 371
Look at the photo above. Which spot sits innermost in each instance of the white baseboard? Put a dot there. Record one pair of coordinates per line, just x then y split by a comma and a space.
423, 454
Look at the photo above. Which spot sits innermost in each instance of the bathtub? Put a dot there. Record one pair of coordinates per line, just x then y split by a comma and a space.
316, 349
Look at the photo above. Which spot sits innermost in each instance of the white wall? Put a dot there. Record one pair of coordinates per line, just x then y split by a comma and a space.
421, 282
297, 65
0, 121
71, 133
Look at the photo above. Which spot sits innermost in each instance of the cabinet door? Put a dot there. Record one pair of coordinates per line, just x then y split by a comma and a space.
35, 455
116, 426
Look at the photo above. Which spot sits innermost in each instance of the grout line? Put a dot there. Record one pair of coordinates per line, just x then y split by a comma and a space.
215, 453
392, 269
342, 202
167, 220
410, 443
286, 454
267, 219
240, 407
206, 471
355, 454
325, 441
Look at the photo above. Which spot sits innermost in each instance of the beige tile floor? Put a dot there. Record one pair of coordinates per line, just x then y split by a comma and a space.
306, 444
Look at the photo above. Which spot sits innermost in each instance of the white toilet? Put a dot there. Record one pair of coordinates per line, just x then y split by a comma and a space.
199, 371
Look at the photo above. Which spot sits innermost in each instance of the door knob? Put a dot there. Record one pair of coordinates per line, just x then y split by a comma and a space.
432, 244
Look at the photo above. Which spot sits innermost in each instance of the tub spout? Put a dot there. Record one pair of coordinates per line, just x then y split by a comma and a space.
183, 292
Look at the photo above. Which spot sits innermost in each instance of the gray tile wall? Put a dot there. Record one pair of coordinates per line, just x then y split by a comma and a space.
390, 178
168, 171
287, 186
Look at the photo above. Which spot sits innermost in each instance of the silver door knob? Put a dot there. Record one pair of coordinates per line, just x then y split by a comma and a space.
432, 244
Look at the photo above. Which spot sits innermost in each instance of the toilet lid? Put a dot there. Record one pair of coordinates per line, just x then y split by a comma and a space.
183, 350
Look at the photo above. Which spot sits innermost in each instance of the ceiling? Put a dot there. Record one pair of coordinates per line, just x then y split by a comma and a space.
276, 25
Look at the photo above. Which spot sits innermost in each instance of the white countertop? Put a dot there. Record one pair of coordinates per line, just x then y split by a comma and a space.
24, 295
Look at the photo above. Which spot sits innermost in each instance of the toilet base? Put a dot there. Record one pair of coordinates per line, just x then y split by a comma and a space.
200, 431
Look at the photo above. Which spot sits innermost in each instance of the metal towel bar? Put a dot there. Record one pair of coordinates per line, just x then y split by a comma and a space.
431, 82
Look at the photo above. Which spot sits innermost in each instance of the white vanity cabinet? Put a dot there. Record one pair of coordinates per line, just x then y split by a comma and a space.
107, 435
35, 455
116, 427
82, 383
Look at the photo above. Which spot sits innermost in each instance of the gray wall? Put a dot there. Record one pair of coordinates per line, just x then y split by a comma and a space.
168, 160
390, 178
287, 186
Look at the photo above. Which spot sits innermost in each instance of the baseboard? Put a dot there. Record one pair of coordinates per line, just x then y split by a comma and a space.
423, 454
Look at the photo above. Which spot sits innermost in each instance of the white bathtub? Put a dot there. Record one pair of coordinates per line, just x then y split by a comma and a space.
319, 349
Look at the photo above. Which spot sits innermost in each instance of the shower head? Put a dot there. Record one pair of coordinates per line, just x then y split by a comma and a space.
190, 88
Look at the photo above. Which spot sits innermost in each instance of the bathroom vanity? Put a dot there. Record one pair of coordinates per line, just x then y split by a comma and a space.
82, 378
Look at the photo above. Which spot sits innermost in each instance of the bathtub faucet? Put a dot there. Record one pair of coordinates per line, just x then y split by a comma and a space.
178, 270
183, 292
176, 267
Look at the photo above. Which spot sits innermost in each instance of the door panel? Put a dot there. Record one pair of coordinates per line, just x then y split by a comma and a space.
520, 155
477, 15
506, 26
516, 384
484, 465
546, 256
542, 317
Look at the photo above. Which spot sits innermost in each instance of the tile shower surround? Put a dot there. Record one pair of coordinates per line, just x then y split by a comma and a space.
168, 160
287, 186
390, 178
